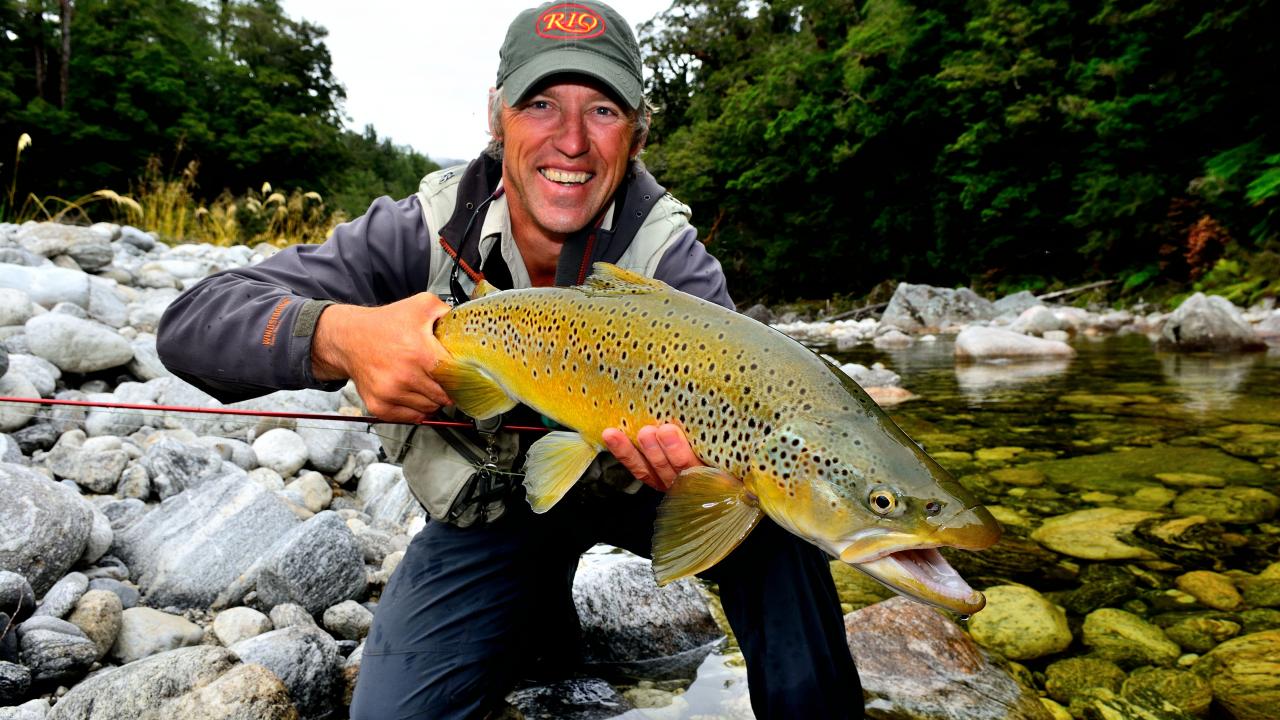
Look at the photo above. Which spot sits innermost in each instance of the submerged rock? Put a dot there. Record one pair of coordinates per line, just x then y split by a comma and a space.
576, 699
1241, 505
1069, 679
1094, 534
1020, 624
1127, 639
940, 673
1245, 675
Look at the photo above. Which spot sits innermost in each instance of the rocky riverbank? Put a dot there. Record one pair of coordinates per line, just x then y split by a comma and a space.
180, 565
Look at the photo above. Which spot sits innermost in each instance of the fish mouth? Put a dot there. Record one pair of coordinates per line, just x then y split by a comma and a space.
910, 564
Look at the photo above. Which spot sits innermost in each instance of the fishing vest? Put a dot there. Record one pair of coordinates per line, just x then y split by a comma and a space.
463, 477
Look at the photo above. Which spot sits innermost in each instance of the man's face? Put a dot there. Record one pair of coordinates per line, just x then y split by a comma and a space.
565, 151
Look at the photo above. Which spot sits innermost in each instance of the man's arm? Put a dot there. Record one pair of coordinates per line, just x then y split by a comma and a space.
249, 331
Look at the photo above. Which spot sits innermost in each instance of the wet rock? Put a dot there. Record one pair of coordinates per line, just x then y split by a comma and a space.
164, 685
1188, 541
921, 308
1124, 472
145, 632
54, 650
1128, 640
15, 681
1186, 691
240, 623
236, 521
1103, 704
1011, 558
893, 339
1101, 585
1190, 480
632, 628
1241, 505
941, 673
1019, 477
1210, 589
985, 343
1261, 591
348, 620
1245, 675
64, 594
1067, 680
316, 564
99, 614
16, 595
1020, 624
1094, 534
576, 699
305, 659
44, 526
1201, 634
1208, 323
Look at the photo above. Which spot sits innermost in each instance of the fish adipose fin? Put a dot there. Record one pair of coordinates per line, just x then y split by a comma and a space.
474, 392
704, 516
554, 464
606, 279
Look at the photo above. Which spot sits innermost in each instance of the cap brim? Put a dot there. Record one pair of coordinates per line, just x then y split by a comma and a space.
573, 61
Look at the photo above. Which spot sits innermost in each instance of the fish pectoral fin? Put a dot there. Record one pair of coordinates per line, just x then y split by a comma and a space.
704, 516
471, 388
606, 279
554, 464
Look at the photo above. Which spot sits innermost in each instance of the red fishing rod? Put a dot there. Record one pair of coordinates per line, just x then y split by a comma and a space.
367, 419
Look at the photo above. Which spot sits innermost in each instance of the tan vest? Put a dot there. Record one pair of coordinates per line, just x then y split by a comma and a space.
441, 477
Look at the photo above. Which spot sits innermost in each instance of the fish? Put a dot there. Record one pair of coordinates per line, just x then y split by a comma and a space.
782, 432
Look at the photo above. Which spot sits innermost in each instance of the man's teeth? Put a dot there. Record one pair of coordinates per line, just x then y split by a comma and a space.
565, 177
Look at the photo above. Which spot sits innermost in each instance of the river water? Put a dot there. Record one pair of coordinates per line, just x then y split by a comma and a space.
1119, 425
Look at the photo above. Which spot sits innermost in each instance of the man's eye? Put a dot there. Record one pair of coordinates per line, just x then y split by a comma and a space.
539, 105
606, 111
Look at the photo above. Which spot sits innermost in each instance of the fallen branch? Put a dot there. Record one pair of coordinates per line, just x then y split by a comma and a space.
1074, 290
858, 313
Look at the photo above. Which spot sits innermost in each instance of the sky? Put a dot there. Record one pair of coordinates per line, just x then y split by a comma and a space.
420, 72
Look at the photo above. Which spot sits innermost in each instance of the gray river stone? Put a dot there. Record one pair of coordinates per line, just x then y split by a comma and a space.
8, 639
105, 304
574, 699
348, 620
197, 683
915, 664
146, 364
14, 416
100, 537
44, 526
290, 614
54, 650
16, 595
145, 632
984, 343
15, 306
145, 314
47, 285
63, 596
41, 373
1208, 323
76, 345
240, 623
137, 238
316, 565
174, 466
15, 680
632, 628
305, 659
923, 308
118, 421
128, 594
234, 519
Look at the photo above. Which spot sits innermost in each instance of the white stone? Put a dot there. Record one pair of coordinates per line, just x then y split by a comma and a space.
145, 632
15, 306
979, 343
15, 415
312, 491
240, 623
47, 286
281, 450
76, 345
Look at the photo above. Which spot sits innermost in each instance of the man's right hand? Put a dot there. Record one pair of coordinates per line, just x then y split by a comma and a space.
390, 353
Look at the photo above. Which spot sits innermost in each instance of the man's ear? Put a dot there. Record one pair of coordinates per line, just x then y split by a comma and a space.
639, 144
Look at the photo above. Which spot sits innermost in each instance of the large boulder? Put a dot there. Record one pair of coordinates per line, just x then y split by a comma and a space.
199, 542
1094, 534
305, 659
917, 665
76, 344
197, 683
44, 526
1208, 323
47, 285
986, 343
316, 564
923, 308
632, 628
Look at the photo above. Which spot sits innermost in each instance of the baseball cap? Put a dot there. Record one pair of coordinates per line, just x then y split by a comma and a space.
588, 38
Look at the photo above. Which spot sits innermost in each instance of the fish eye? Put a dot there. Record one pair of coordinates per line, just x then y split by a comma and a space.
883, 501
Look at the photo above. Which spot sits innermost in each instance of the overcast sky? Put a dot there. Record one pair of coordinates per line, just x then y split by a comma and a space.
419, 72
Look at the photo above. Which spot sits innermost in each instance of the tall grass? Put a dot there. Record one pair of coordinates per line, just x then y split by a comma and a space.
167, 205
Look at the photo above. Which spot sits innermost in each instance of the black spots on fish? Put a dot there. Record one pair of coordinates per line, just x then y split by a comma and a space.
720, 336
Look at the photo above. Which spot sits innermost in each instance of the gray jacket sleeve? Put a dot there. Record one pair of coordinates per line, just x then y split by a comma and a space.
687, 266
246, 332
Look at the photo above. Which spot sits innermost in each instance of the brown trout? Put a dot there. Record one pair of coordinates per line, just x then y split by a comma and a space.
782, 431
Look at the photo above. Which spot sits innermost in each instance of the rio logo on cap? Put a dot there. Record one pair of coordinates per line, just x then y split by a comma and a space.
569, 21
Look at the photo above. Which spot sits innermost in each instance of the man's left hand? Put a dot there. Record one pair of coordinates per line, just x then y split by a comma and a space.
659, 454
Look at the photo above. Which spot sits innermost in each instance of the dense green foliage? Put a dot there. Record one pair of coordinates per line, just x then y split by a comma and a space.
233, 84
828, 145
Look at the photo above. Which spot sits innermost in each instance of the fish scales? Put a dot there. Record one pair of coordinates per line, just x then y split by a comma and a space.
783, 432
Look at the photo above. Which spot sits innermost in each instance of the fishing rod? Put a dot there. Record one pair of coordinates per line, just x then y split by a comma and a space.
367, 419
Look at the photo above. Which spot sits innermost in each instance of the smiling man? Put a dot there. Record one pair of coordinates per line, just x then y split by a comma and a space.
483, 592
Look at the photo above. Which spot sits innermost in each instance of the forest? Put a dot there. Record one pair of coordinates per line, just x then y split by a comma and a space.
825, 146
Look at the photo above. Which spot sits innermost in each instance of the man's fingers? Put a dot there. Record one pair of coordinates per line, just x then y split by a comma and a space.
676, 448
620, 445
655, 454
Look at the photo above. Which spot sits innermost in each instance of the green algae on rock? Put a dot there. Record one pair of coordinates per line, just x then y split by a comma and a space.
1094, 534
1245, 675
1020, 624
1236, 505
1121, 472
1067, 679
1211, 589
1200, 633
1128, 640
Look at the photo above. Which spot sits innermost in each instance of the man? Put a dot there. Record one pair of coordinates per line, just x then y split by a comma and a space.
484, 588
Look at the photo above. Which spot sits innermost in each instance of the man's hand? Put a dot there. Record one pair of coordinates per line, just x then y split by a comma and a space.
390, 353
663, 453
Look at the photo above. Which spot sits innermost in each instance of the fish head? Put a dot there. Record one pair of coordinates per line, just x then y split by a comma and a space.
858, 487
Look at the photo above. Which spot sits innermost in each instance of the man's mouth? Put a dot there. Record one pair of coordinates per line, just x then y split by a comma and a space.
565, 177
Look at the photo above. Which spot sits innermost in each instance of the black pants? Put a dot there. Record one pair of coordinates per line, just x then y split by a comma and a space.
468, 610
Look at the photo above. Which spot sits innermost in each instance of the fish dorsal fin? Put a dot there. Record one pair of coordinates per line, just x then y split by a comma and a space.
471, 388
606, 279
554, 464
483, 288
704, 516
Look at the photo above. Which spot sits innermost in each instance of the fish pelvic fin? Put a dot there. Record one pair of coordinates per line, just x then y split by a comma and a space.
554, 464
471, 388
606, 279
483, 288
704, 516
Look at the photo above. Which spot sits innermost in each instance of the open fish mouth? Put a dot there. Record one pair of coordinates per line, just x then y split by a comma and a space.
923, 574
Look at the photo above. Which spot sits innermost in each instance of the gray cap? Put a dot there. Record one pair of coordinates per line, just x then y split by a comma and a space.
586, 38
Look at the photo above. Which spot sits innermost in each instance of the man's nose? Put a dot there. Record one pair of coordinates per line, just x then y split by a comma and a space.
571, 139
